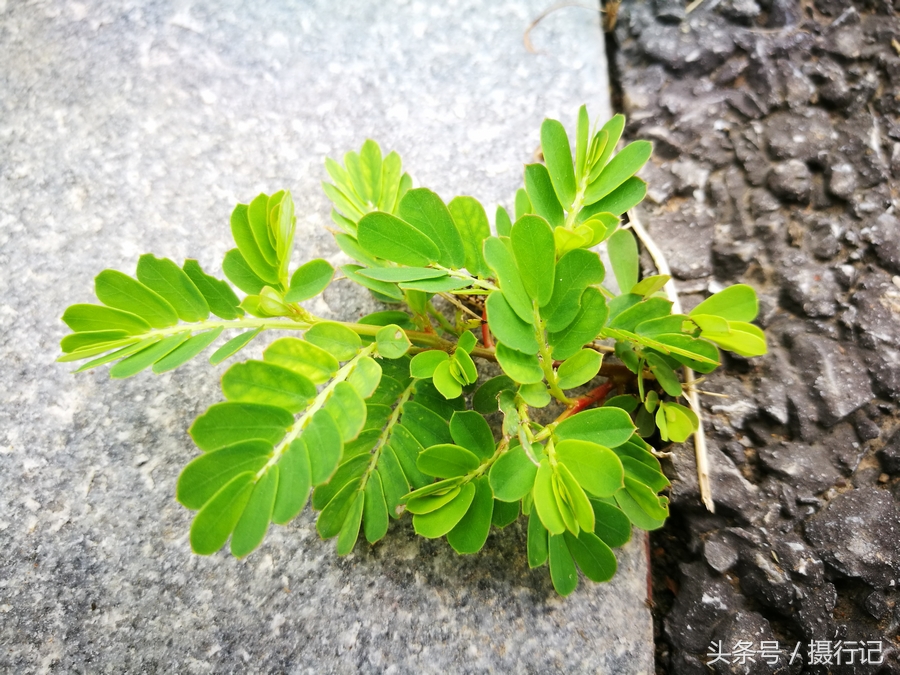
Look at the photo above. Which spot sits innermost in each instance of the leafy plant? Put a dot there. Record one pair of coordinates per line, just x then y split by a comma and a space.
390, 414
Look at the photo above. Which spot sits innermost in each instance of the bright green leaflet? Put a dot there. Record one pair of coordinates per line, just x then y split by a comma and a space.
512, 476
170, 282
425, 211
309, 280
120, 291
472, 222
542, 195
471, 532
533, 248
221, 299
558, 156
386, 236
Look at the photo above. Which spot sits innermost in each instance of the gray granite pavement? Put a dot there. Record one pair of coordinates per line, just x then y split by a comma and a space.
128, 127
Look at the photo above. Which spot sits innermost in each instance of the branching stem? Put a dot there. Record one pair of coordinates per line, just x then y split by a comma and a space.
690, 393
547, 359
316, 405
593, 396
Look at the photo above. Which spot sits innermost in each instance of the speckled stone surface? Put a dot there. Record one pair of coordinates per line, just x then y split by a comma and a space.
134, 126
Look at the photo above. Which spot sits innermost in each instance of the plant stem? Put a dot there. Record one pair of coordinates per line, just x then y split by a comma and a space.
593, 396
547, 359
473, 281
386, 432
441, 319
314, 407
486, 338
662, 267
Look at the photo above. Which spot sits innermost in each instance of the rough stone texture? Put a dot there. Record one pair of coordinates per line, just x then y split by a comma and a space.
803, 466
704, 601
132, 127
857, 546
890, 454
777, 121
836, 375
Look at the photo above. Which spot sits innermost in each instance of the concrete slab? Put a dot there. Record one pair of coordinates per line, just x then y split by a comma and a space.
132, 126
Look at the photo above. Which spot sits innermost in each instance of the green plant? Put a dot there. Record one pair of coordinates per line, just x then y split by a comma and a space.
385, 415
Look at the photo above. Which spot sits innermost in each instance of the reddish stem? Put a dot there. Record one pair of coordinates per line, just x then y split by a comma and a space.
486, 331
582, 402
